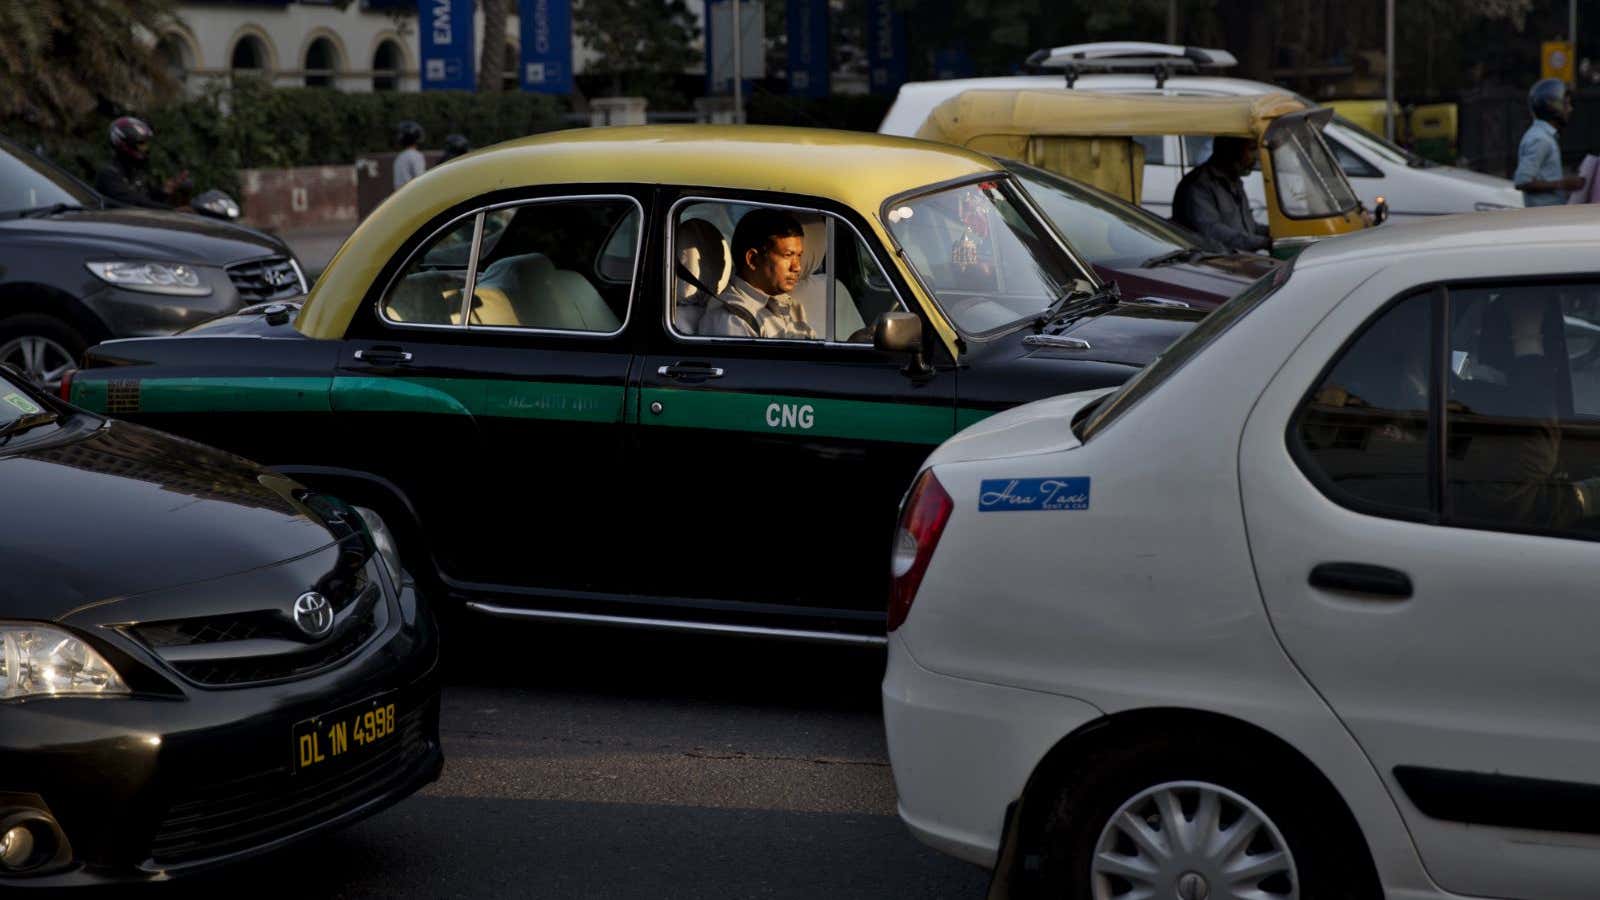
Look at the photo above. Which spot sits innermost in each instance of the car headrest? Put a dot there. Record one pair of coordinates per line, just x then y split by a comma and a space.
816, 239
703, 253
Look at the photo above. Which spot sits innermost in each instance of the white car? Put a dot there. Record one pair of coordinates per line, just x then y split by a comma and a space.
1412, 186
1307, 608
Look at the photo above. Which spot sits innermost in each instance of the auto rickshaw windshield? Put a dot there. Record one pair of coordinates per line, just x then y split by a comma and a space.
983, 253
1309, 182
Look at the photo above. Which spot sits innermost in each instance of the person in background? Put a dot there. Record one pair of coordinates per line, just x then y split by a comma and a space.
408, 163
126, 179
1210, 200
1538, 174
454, 145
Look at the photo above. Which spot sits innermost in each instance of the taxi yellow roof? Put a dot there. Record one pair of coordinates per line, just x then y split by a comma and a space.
857, 169
977, 113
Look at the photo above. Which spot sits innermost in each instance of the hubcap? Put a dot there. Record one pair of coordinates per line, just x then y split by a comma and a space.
42, 360
1192, 840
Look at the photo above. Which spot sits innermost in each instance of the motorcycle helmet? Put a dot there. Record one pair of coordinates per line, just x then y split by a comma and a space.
1545, 100
130, 138
408, 133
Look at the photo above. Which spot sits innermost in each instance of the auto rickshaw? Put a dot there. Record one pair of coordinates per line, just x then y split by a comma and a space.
1094, 138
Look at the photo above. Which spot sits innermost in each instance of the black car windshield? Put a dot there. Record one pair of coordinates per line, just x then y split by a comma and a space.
28, 182
17, 405
985, 254
1106, 230
1182, 350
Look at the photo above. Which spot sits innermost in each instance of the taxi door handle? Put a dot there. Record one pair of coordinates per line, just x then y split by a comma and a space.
689, 371
1378, 582
384, 356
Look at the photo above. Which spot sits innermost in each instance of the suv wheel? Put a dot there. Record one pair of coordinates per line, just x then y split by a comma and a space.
41, 347
1164, 819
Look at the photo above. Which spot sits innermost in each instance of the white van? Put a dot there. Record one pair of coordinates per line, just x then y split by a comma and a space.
1412, 186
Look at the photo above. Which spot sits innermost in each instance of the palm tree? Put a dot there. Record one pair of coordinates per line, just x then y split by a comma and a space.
61, 60
492, 58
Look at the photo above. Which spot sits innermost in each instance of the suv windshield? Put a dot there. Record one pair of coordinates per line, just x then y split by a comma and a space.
28, 182
1107, 231
984, 254
1310, 183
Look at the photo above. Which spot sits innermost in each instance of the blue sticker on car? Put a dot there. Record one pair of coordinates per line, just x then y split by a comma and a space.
1017, 494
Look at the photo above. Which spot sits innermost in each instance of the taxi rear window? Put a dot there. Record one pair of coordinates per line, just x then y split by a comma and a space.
1152, 376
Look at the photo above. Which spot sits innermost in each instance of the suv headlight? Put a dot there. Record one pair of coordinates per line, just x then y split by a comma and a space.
383, 541
152, 277
44, 661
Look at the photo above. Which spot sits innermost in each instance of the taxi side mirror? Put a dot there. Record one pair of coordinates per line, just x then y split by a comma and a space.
898, 331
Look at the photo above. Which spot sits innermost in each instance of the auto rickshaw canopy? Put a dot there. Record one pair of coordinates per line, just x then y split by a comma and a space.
1089, 136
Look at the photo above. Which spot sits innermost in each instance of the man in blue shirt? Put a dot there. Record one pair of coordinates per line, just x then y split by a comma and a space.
1538, 174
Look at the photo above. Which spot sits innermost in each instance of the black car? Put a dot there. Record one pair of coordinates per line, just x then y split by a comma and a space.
76, 270
510, 360
199, 660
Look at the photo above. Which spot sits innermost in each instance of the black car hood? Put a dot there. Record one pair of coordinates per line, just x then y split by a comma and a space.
1207, 282
1127, 335
131, 233
96, 513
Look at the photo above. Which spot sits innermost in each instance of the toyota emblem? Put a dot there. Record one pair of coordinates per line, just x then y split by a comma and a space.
313, 614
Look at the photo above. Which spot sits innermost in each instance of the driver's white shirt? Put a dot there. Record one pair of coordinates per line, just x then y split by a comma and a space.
778, 315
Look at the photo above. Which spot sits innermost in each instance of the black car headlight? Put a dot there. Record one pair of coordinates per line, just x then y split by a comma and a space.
174, 279
38, 660
382, 541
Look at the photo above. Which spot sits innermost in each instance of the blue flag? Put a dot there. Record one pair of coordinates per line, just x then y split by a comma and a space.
886, 47
546, 46
808, 48
446, 41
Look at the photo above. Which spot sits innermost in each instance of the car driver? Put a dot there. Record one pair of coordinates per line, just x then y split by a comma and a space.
767, 248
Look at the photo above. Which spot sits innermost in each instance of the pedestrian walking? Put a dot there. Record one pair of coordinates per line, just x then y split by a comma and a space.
409, 162
1539, 176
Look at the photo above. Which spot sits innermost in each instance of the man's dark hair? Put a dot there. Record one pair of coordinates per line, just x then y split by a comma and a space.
1228, 148
761, 227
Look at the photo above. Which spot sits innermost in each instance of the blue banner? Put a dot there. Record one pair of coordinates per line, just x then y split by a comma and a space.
808, 48
546, 46
886, 47
446, 41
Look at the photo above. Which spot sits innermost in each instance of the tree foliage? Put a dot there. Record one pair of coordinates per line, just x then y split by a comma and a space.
61, 60
641, 44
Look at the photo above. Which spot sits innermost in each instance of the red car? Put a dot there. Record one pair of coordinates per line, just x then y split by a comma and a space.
1145, 255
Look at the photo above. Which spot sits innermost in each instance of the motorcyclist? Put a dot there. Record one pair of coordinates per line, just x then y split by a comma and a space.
125, 179
1539, 175
454, 145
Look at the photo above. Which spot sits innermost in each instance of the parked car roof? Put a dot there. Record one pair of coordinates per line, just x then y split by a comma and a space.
985, 112
856, 169
1497, 230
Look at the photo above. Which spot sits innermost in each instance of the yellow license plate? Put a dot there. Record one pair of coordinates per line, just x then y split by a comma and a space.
344, 735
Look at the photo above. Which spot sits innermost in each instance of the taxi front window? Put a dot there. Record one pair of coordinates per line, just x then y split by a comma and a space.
1310, 182
985, 256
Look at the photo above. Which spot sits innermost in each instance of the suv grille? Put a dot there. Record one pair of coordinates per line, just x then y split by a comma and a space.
227, 818
252, 669
261, 280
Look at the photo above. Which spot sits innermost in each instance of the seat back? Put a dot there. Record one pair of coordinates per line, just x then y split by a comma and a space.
703, 252
508, 291
426, 298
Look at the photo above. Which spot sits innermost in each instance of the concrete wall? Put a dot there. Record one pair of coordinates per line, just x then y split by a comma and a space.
309, 197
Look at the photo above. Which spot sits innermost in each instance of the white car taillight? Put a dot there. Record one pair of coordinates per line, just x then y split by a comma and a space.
922, 521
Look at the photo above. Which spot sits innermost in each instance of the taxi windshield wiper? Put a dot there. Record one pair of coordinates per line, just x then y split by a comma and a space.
24, 422
34, 212
1074, 304
1182, 254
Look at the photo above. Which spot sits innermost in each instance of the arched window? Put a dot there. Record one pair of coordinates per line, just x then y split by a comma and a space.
321, 63
386, 66
249, 57
178, 55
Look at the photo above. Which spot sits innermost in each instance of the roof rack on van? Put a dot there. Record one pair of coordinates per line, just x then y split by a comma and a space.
1160, 60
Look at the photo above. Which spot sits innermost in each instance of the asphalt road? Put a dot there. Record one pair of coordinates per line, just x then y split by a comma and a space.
597, 763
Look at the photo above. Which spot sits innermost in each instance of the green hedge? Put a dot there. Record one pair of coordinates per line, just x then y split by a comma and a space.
252, 125
852, 112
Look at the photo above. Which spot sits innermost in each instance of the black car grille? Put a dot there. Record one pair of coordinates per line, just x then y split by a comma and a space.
188, 632
261, 280
253, 669
220, 819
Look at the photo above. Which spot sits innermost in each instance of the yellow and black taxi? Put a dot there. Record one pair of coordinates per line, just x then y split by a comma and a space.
669, 377
200, 660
